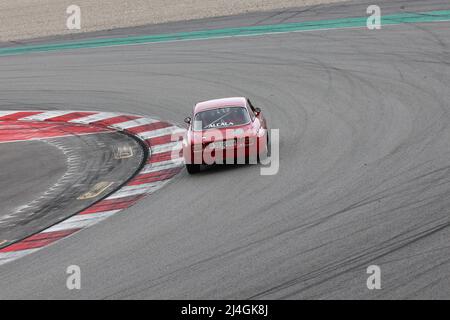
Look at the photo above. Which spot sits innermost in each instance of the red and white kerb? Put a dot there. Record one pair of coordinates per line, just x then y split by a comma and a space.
161, 165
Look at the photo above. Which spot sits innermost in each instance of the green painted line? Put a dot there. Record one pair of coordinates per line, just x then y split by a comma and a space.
401, 18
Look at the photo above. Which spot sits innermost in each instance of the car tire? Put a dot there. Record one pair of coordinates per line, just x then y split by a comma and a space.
266, 153
192, 168
269, 145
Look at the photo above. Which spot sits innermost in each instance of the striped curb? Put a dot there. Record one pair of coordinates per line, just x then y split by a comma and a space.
159, 169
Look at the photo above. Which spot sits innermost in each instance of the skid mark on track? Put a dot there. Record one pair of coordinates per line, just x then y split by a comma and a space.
73, 164
156, 174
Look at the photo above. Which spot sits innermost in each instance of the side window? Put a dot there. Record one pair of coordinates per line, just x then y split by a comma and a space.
252, 110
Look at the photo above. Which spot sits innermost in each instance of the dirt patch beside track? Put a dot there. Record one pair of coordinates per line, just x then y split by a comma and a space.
27, 19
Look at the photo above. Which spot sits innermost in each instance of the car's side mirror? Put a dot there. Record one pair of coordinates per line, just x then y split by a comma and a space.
257, 111
188, 120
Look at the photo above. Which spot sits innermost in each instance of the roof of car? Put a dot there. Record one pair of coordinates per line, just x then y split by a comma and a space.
219, 103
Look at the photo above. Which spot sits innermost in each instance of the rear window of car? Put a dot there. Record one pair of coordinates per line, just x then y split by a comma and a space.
221, 118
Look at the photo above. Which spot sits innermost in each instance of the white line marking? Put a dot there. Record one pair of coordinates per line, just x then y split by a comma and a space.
163, 165
136, 190
171, 146
95, 117
13, 255
55, 137
81, 221
7, 113
134, 123
160, 132
45, 115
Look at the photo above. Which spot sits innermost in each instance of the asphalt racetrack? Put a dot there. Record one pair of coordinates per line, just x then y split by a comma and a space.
364, 166
45, 181
19, 162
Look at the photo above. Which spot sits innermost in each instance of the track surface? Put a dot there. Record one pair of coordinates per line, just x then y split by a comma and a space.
364, 174
41, 180
19, 162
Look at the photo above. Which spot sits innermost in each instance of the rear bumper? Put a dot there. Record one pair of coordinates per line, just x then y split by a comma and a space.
246, 153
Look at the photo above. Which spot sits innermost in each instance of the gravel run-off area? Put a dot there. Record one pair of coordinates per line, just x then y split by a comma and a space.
28, 19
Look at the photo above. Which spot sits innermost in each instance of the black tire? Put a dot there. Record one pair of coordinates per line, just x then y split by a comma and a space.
192, 168
267, 153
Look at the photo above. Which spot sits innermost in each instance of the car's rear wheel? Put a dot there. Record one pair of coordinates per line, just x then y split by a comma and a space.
266, 152
192, 168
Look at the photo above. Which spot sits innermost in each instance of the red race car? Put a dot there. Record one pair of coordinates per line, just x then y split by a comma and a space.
229, 130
